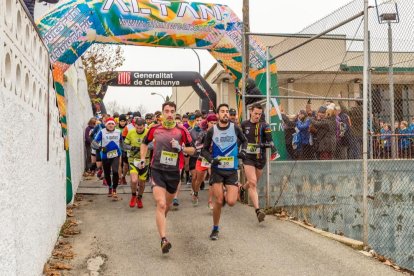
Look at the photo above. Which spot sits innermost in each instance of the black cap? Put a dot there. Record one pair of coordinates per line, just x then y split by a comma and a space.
232, 111
148, 116
140, 122
122, 117
137, 114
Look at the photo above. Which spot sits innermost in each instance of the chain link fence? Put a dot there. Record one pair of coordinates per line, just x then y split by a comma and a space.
320, 87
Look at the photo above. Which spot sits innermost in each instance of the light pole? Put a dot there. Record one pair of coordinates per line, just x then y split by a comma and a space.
199, 61
153, 93
387, 13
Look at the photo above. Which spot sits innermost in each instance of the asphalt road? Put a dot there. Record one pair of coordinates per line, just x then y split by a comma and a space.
128, 242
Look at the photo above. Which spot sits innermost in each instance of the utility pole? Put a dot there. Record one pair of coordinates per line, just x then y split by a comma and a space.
245, 52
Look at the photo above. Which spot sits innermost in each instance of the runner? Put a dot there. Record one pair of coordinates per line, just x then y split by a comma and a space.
133, 143
169, 139
108, 141
149, 118
95, 152
202, 165
224, 159
123, 164
192, 162
259, 137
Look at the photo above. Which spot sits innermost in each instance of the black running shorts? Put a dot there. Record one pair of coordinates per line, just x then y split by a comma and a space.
223, 176
257, 163
192, 163
166, 180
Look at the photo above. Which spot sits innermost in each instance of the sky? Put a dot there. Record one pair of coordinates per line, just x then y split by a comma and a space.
266, 16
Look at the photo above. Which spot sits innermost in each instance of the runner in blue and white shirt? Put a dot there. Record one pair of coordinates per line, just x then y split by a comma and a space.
108, 141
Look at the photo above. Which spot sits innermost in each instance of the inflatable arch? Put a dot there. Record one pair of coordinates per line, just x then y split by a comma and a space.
74, 25
162, 79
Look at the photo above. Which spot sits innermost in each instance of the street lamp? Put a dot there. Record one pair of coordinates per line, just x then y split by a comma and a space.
387, 13
199, 61
153, 93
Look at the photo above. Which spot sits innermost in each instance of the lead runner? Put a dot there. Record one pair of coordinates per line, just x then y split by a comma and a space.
170, 142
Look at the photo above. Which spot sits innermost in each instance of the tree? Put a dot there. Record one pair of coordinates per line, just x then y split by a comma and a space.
100, 58
114, 106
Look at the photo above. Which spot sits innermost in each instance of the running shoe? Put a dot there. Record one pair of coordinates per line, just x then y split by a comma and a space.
260, 215
175, 202
139, 203
109, 192
214, 235
165, 246
114, 195
99, 174
133, 201
194, 200
242, 194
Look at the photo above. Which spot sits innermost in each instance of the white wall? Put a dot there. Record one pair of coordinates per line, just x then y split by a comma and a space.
32, 188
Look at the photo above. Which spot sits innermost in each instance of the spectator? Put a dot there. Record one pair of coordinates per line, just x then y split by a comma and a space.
305, 150
404, 140
289, 125
385, 141
356, 127
343, 125
89, 166
325, 133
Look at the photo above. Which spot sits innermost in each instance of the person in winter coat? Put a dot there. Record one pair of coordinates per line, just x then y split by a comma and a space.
325, 133
305, 148
404, 140
252, 89
289, 125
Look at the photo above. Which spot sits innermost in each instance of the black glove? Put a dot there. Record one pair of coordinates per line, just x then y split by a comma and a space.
103, 149
135, 150
242, 155
215, 162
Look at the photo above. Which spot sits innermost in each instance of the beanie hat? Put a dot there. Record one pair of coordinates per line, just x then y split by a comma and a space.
211, 118
322, 109
110, 121
122, 117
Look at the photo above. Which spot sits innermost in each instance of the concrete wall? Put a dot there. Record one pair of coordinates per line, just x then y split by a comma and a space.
328, 194
32, 186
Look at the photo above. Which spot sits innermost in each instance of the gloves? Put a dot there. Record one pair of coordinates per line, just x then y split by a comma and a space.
140, 165
135, 150
242, 155
103, 149
215, 162
176, 145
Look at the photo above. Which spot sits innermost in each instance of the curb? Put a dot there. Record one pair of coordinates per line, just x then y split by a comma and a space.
358, 245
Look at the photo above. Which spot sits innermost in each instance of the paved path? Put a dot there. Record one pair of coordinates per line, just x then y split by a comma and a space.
128, 240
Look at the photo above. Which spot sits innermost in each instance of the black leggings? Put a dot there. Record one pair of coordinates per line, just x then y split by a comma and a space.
113, 164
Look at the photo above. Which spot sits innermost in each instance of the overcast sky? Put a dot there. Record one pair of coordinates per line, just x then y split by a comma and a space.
281, 16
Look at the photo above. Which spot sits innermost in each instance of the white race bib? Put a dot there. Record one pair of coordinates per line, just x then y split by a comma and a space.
205, 163
112, 154
226, 162
169, 158
253, 149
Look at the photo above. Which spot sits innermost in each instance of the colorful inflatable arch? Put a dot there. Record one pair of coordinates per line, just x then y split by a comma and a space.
74, 25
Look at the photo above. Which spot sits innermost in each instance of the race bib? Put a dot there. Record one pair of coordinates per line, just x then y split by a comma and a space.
169, 158
253, 149
226, 162
205, 163
112, 154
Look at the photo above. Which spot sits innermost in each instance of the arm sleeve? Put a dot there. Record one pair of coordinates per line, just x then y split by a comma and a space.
267, 133
205, 152
241, 137
150, 136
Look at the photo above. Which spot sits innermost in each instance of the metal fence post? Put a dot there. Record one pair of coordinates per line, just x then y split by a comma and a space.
268, 92
365, 128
